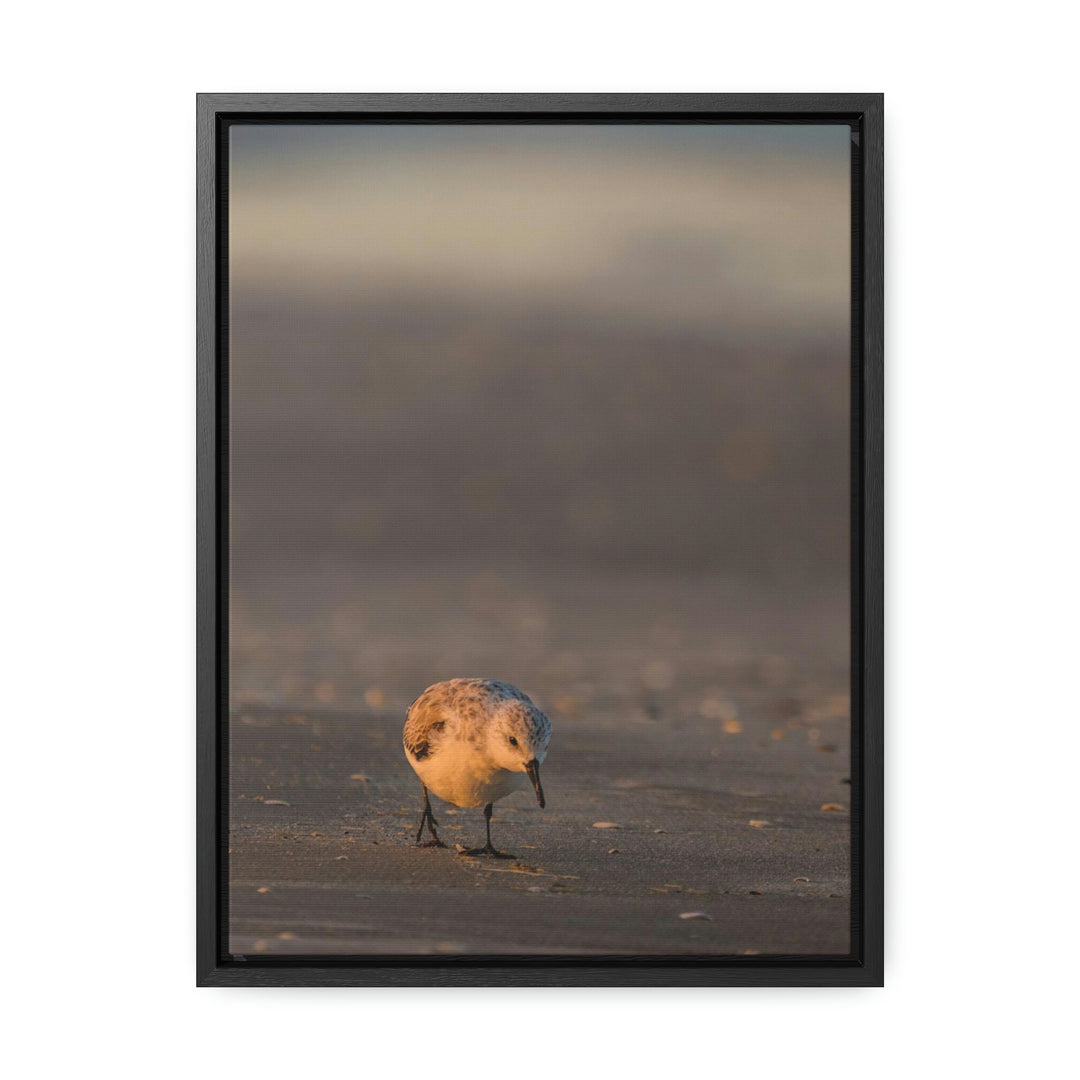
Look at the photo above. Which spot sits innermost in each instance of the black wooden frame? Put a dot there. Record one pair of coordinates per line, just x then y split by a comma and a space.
864, 113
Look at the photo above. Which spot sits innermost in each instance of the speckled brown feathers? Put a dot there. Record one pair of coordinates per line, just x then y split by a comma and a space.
421, 737
472, 741
455, 701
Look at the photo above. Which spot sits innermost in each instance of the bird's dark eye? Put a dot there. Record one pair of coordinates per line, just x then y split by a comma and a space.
513, 741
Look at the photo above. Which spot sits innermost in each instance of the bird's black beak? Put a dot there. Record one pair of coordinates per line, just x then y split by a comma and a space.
533, 769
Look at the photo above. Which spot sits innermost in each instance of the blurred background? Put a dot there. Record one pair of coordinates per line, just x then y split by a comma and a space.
563, 405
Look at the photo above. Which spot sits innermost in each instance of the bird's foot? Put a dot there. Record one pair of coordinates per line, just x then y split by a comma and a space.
488, 851
428, 819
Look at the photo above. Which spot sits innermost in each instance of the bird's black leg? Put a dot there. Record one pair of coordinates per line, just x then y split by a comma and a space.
487, 849
428, 817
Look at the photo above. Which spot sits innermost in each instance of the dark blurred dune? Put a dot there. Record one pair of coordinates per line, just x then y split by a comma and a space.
434, 432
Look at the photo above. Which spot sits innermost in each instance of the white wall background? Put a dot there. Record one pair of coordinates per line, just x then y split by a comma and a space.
98, 454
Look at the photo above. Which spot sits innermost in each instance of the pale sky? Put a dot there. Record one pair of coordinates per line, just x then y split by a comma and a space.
736, 229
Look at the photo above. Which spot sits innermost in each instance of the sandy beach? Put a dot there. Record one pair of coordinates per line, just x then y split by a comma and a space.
729, 801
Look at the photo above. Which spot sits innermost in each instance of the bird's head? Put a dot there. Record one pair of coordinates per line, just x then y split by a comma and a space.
518, 741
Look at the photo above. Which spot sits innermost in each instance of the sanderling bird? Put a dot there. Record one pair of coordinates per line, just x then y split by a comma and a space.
472, 741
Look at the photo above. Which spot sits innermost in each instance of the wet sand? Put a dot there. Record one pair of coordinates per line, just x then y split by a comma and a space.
716, 815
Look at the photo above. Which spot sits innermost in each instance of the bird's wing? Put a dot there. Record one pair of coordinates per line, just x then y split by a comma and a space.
423, 727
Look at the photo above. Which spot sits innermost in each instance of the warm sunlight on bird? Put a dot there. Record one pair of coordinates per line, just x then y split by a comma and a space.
472, 742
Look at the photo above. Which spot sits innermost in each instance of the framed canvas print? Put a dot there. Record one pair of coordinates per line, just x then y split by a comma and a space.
540, 535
